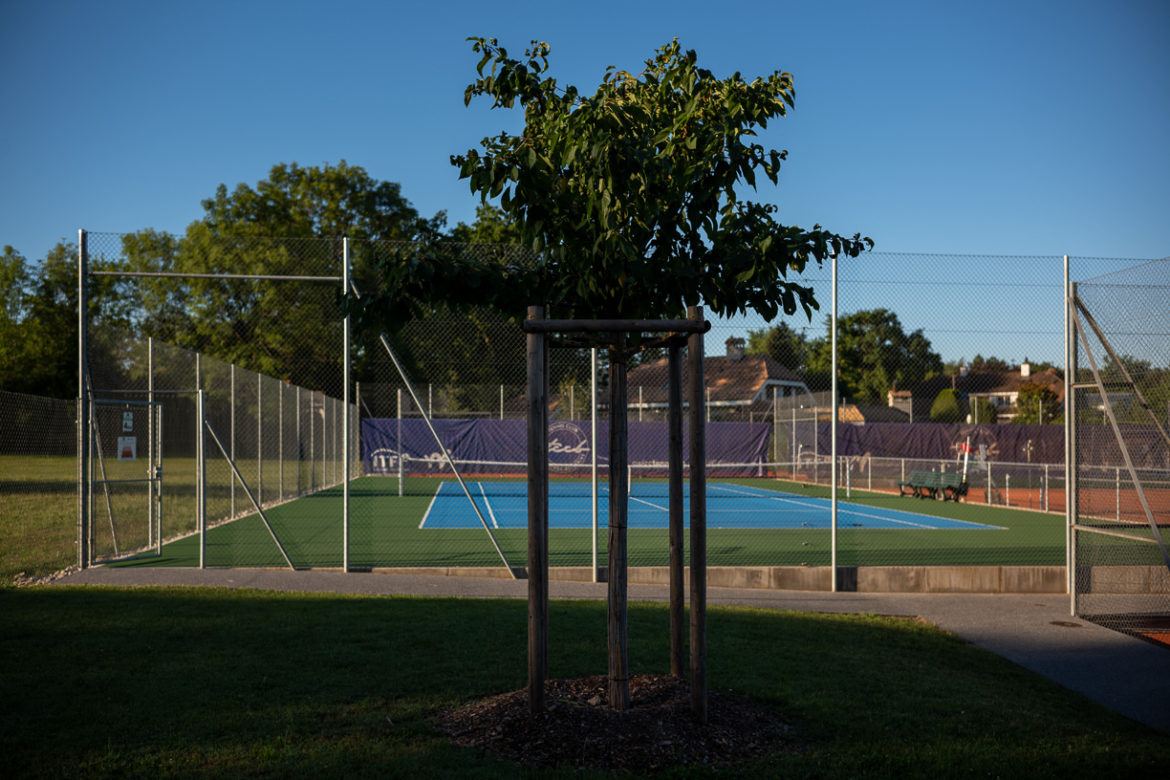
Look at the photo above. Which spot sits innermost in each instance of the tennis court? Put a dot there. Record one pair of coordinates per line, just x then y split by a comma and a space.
729, 506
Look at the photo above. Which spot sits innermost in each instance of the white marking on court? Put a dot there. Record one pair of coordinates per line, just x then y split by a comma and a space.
430, 506
650, 503
802, 502
488, 504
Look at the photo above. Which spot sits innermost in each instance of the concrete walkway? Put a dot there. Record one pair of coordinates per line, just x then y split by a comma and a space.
1125, 674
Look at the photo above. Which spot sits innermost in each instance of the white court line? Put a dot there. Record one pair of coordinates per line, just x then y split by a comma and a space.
853, 512
649, 503
488, 504
431, 505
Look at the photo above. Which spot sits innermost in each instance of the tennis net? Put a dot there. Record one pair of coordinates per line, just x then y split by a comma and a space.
421, 476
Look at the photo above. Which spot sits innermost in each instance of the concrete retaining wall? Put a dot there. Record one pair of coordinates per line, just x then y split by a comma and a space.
864, 579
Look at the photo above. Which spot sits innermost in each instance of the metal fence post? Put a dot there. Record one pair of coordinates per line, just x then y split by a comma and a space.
401, 454
345, 411
151, 453
280, 441
232, 432
200, 478
299, 447
83, 432
833, 436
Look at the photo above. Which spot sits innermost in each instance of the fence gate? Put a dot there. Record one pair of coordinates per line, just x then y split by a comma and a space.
1119, 402
125, 474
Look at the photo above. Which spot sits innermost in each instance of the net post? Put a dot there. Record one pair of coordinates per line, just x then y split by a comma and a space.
698, 523
401, 466
537, 354
677, 576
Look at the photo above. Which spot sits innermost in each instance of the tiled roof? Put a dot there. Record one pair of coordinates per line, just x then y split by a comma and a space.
727, 379
983, 383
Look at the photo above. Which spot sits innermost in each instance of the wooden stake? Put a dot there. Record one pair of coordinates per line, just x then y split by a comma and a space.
698, 523
537, 515
675, 424
619, 676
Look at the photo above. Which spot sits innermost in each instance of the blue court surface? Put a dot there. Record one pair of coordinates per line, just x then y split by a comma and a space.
728, 506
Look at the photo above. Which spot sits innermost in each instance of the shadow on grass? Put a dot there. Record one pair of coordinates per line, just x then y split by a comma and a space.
184, 681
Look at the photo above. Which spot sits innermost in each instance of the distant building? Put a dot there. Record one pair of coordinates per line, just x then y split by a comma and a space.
739, 386
999, 388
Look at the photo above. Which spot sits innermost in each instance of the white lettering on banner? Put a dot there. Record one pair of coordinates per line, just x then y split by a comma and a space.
385, 460
567, 439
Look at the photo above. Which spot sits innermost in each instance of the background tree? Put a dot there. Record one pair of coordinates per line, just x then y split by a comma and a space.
1036, 403
38, 350
875, 354
784, 344
983, 411
947, 407
491, 226
252, 229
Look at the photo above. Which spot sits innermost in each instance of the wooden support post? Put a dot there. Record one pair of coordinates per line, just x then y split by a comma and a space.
698, 523
677, 606
619, 677
537, 515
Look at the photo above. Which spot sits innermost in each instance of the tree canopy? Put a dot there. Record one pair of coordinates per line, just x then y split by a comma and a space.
1036, 403
875, 354
631, 195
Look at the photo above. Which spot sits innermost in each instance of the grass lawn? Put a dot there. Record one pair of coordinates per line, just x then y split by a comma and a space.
185, 682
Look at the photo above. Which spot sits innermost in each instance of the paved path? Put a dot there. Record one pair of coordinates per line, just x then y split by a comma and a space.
1126, 674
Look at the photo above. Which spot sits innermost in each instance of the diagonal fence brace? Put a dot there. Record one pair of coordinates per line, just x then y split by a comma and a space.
251, 498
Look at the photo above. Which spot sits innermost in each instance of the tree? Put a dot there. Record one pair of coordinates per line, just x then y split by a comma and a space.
491, 226
875, 354
946, 407
983, 411
784, 344
38, 350
630, 197
15, 285
253, 230
326, 202
1036, 403
630, 193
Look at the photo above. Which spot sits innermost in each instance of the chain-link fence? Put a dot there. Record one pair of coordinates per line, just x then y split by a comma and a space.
949, 370
1121, 444
38, 485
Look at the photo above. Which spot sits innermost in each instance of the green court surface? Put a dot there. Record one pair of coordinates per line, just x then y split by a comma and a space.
385, 532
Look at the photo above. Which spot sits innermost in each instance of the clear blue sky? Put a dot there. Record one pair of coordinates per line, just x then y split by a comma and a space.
1017, 128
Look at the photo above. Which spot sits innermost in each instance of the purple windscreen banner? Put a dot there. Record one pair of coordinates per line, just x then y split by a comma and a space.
569, 443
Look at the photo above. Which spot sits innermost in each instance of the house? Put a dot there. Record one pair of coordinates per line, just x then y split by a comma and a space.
999, 388
739, 386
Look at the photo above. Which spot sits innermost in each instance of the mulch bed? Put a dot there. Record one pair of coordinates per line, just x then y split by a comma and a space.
578, 729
